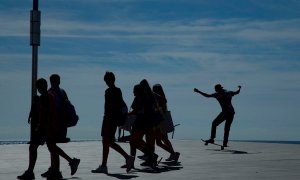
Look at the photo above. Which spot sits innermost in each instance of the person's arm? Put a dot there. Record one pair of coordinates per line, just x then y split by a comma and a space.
238, 90
202, 93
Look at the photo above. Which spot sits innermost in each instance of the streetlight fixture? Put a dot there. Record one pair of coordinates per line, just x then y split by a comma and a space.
35, 33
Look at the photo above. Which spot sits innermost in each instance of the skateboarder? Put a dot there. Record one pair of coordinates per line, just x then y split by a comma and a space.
224, 98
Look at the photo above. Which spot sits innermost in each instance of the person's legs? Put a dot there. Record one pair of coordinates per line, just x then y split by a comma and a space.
54, 172
73, 162
54, 156
229, 119
150, 139
28, 174
218, 120
32, 156
105, 152
163, 142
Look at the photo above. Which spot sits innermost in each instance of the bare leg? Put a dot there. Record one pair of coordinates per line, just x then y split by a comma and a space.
32, 156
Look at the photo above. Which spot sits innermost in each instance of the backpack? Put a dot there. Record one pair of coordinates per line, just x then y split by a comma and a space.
69, 112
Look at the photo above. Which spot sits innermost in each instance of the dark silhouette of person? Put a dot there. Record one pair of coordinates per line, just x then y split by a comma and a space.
37, 138
113, 99
60, 129
149, 104
45, 131
139, 126
224, 98
161, 138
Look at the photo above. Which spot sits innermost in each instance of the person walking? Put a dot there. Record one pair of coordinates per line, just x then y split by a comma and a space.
224, 98
161, 138
60, 96
150, 121
37, 138
112, 106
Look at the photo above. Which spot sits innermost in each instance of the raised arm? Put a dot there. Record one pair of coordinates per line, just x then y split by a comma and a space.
202, 93
238, 90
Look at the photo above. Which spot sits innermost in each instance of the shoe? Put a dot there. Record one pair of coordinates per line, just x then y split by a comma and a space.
176, 156
46, 174
74, 165
210, 141
100, 169
129, 163
143, 157
125, 166
169, 158
151, 161
55, 175
27, 176
225, 145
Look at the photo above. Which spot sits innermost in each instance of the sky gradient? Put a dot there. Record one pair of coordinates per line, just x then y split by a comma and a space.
180, 44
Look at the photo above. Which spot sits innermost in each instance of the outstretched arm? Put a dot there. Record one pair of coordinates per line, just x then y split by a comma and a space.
238, 90
202, 93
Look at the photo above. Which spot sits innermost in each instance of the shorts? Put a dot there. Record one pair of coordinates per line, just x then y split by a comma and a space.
109, 128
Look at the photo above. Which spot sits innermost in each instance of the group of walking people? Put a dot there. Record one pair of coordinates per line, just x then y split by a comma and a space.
146, 105
48, 126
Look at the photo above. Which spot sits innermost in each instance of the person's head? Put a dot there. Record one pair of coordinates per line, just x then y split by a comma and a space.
41, 85
109, 78
218, 88
157, 88
55, 80
145, 86
137, 90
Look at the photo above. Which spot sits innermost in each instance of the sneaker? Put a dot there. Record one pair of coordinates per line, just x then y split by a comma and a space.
125, 166
151, 161
129, 163
170, 158
27, 176
46, 174
74, 165
176, 156
100, 169
143, 157
210, 141
55, 175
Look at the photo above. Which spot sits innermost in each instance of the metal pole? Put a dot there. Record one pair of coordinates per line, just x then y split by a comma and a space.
35, 23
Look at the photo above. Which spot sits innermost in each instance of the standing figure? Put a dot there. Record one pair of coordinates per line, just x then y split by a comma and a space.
161, 138
149, 104
224, 98
60, 96
112, 106
139, 126
37, 138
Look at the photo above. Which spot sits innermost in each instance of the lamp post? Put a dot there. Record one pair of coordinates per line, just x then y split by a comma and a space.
35, 32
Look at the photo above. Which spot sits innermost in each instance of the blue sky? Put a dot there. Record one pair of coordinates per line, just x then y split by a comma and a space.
181, 44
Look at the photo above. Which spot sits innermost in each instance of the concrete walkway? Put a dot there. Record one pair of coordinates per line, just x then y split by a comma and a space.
240, 161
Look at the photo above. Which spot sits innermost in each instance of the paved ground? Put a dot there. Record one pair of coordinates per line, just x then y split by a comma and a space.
241, 161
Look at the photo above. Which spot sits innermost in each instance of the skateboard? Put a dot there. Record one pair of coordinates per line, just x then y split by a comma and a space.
206, 143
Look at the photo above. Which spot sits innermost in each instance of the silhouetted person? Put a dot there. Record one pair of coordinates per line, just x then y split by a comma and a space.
139, 126
60, 130
161, 138
149, 104
37, 138
224, 98
113, 100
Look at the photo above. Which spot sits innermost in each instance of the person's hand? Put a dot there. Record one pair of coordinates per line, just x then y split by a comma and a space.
239, 87
196, 90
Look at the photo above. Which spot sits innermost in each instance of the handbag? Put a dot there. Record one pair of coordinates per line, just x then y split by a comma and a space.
127, 126
167, 125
